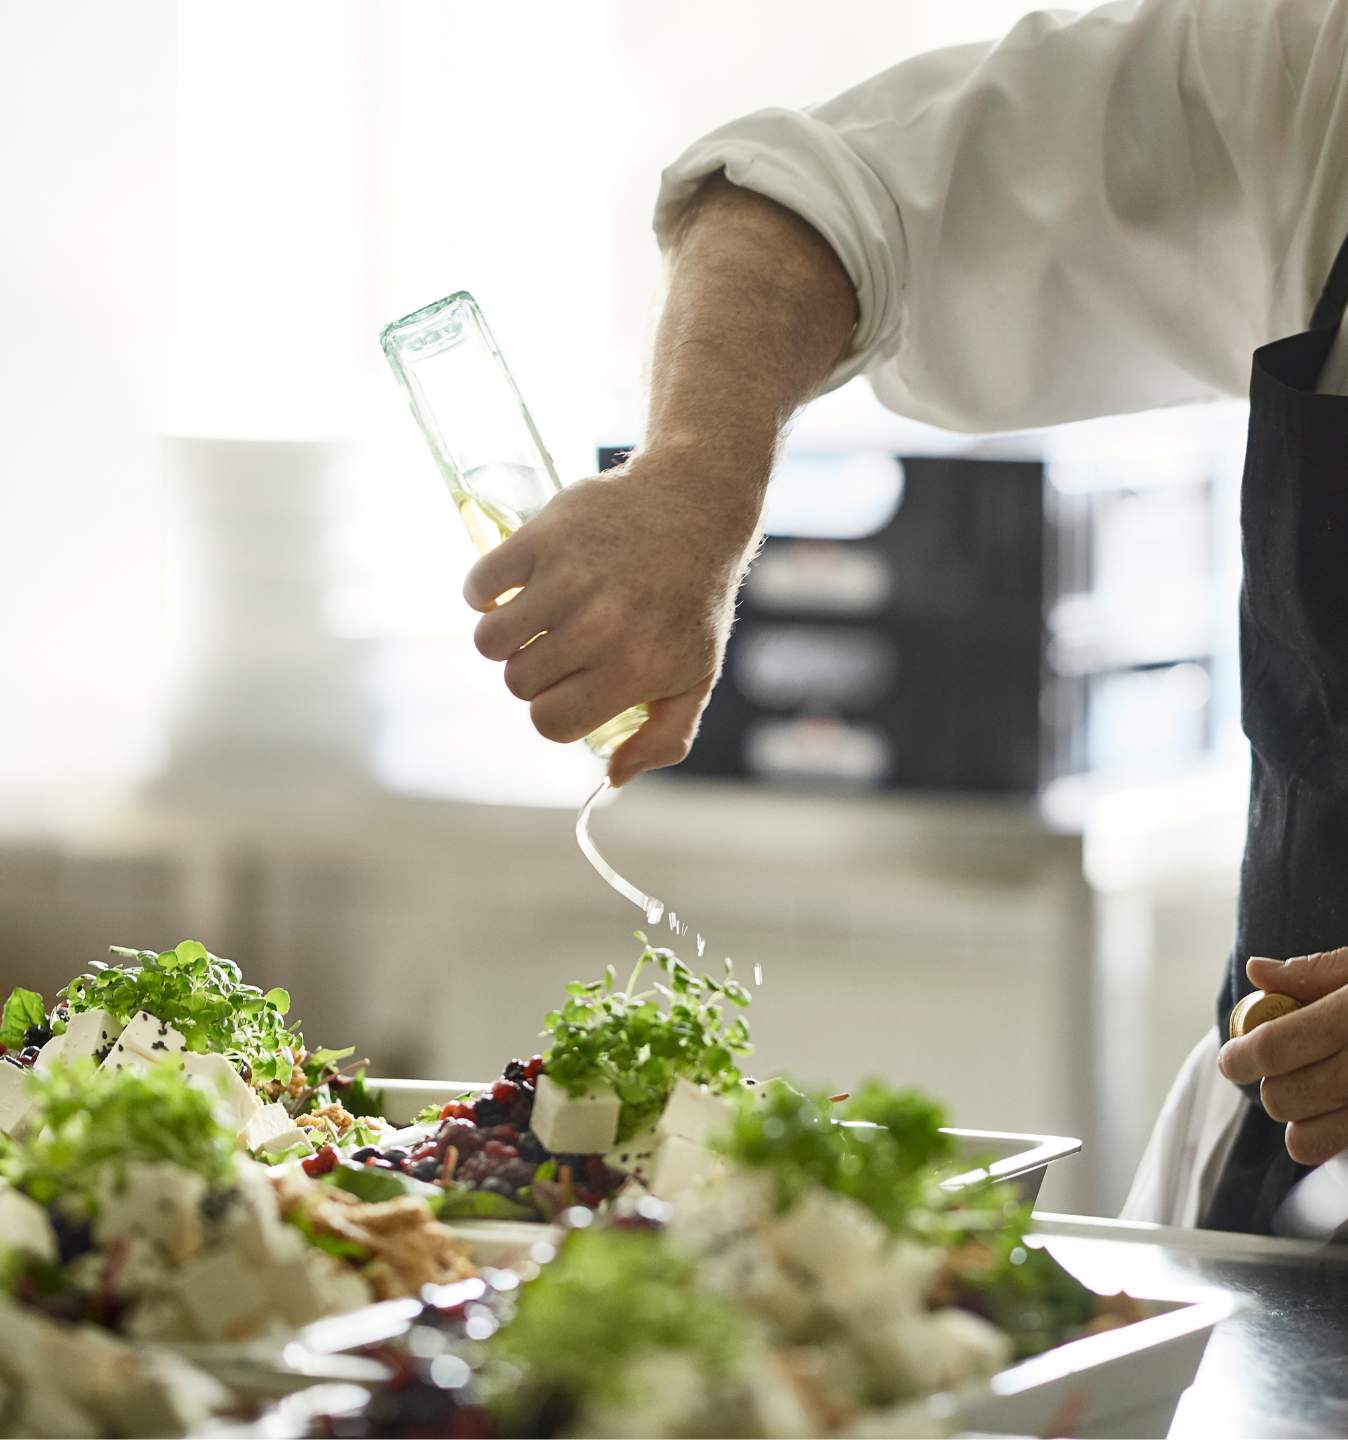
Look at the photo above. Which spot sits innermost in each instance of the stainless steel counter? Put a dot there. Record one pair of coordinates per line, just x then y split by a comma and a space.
1279, 1367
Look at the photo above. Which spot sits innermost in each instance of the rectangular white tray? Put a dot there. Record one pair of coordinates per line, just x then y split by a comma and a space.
1019, 1159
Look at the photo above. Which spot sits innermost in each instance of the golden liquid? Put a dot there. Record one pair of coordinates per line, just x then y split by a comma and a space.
487, 526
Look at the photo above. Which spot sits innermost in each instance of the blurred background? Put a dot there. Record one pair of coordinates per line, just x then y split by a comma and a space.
972, 791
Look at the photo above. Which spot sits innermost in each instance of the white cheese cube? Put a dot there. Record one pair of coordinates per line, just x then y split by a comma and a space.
236, 1102
680, 1163
265, 1124
51, 1052
89, 1034
15, 1102
828, 1236
225, 1298
574, 1124
693, 1113
152, 1038
634, 1157
285, 1140
25, 1225
122, 1057
160, 1202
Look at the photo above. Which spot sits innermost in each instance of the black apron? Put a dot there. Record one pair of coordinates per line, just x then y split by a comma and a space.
1294, 707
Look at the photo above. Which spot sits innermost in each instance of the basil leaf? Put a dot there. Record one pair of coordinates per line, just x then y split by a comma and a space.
23, 1009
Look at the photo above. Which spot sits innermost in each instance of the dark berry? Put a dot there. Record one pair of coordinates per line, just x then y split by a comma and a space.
531, 1148
515, 1071
28, 1055
427, 1170
487, 1112
396, 1154
497, 1186
366, 1152
36, 1036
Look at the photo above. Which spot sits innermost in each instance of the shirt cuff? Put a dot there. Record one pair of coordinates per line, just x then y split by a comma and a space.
806, 165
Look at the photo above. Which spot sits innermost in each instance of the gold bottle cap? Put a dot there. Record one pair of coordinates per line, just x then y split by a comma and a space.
1257, 1007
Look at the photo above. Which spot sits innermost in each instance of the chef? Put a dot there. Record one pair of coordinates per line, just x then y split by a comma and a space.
1101, 213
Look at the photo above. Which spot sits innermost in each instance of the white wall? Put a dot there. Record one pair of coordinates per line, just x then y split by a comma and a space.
86, 274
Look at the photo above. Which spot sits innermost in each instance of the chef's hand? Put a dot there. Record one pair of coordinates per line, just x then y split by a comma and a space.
629, 582
1301, 1059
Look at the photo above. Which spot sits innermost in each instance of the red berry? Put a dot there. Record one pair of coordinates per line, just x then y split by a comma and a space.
534, 1068
504, 1092
457, 1110
323, 1163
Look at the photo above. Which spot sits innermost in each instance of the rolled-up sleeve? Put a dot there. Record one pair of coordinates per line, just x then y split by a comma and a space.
806, 163
1100, 213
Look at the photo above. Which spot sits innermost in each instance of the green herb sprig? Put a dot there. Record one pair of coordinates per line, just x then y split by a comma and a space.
203, 997
888, 1163
613, 1294
90, 1123
640, 1042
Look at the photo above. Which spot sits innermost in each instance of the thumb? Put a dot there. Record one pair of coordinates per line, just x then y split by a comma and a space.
1304, 978
665, 739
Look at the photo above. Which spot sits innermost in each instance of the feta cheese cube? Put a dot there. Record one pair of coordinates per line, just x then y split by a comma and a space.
52, 1051
236, 1101
635, 1156
693, 1113
122, 1057
90, 1033
160, 1202
832, 1238
15, 1102
152, 1038
574, 1124
225, 1298
265, 1124
25, 1225
679, 1164
286, 1140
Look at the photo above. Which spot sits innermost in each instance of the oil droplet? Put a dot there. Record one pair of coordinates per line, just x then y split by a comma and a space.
758, 973
654, 910
701, 946
673, 918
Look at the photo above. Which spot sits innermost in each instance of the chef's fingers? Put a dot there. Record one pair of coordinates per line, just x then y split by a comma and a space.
1312, 1142
506, 628
499, 570
577, 704
540, 665
1305, 978
1288, 1043
1313, 1090
665, 739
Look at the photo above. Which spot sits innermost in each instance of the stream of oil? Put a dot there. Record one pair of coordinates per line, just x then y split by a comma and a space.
649, 906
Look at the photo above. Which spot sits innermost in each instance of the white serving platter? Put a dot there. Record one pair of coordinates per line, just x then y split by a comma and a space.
1020, 1159
1122, 1383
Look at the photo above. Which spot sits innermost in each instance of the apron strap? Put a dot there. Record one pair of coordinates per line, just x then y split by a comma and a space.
1334, 300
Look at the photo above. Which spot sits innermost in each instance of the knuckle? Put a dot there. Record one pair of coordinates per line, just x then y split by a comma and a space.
1274, 1100
1265, 1053
552, 724
1304, 1147
518, 682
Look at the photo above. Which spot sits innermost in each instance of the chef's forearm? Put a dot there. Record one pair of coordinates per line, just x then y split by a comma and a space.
758, 311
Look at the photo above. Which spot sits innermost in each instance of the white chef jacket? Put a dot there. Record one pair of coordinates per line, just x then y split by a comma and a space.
1101, 213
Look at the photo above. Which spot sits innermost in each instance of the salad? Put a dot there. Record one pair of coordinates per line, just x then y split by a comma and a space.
232, 1041
128, 1205
630, 1085
823, 1283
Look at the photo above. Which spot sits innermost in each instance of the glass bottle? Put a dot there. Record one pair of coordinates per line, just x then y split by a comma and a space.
481, 435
